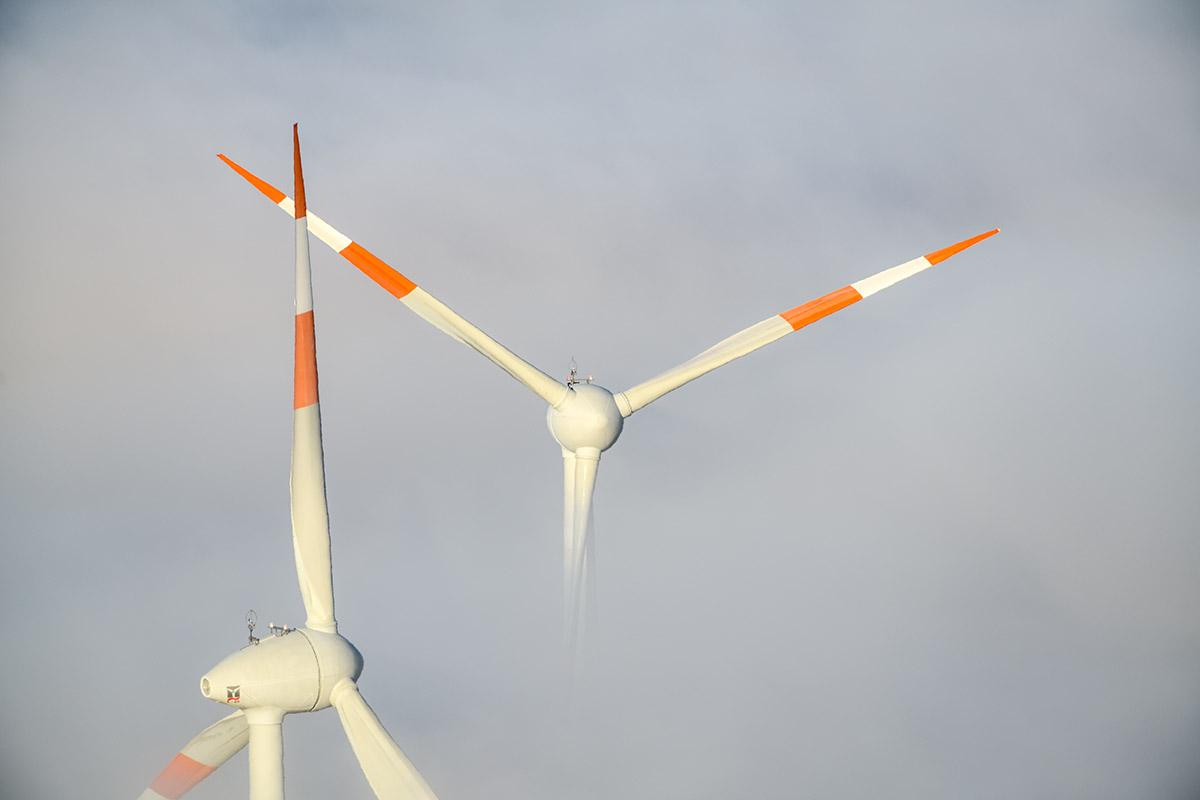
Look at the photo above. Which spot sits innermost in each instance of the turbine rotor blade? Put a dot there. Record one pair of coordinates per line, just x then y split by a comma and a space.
568, 580
780, 325
310, 512
578, 489
391, 775
199, 758
417, 299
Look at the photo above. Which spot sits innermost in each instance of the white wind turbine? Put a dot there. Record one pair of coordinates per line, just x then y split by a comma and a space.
302, 669
586, 419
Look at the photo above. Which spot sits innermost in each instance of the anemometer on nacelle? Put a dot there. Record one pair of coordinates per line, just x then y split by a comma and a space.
573, 378
276, 630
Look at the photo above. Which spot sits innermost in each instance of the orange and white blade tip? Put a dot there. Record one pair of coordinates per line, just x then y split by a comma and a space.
938, 256
273, 194
370, 264
301, 208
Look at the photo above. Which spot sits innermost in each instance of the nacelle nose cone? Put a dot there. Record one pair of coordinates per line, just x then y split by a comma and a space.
296, 672
279, 672
587, 417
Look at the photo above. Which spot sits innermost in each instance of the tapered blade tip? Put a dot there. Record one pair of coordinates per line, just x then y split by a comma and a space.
938, 256
267, 189
301, 204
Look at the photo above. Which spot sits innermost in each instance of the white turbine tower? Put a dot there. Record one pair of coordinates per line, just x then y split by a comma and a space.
586, 419
304, 669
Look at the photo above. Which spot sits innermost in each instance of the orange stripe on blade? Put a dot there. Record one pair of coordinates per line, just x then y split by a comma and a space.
938, 256
306, 361
180, 776
377, 270
813, 310
301, 208
270, 191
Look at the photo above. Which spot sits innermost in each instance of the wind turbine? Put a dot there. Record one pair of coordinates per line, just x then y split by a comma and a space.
584, 418
296, 669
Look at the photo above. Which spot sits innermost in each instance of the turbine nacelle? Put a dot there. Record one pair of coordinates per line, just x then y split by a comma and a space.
587, 417
294, 672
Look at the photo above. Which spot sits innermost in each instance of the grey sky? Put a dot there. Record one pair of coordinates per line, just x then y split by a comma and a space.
941, 545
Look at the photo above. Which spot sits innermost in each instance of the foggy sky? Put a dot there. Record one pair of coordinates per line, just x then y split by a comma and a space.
940, 545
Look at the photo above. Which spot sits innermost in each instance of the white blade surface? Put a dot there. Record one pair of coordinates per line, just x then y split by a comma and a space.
421, 302
568, 579
199, 758
778, 326
391, 775
579, 486
310, 513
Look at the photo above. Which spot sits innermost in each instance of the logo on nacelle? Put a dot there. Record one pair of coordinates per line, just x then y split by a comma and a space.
233, 694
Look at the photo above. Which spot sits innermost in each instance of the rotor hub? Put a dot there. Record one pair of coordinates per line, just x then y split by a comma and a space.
587, 417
